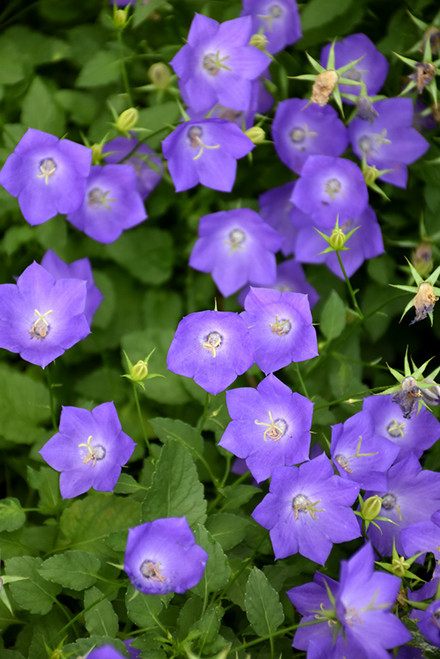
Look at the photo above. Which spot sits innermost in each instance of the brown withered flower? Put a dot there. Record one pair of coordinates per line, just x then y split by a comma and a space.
323, 86
423, 75
422, 258
424, 301
433, 34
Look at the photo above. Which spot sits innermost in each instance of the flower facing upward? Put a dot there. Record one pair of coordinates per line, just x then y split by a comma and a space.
279, 20
41, 317
213, 347
89, 450
47, 175
162, 557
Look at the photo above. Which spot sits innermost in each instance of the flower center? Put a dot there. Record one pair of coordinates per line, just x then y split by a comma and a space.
281, 327
395, 429
97, 197
212, 63
95, 453
332, 188
151, 570
213, 341
301, 504
274, 430
236, 238
389, 501
344, 463
194, 136
372, 143
40, 327
275, 11
298, 135
47, 169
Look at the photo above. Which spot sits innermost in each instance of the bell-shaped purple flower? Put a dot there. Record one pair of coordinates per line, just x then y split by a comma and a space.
280, 325
106, 651
146, 162
429, 623
111, 203
237, 247
308, 509
47, 175
205, 151
162, 557
41, 317
424, 536
89, 450
278, 19
217, 64
329, 187
351, 618
80, 269
213, 347
270, 426
389, 141
300, 130
276, 209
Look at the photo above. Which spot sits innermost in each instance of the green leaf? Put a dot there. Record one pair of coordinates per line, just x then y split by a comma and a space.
263, 606
229, 530
333, 317
13, 69
207, 627
175, 490
142, 10
24, 406
12, 515
182, 432
143, 609
46, 481
319, 12
73, 569
40, 111
158, 119
34, 594
217, 571
102, 69
101, 618
237, 495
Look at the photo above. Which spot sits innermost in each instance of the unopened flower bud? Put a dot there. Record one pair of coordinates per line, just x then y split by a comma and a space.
323, 86
256, 134
433, 34
258, 40
431, 395
337, 239
120, 18
399, 566
139, 371
371, 508
365, 109
96, 154
127, 120
370, 174
160, 75
422, 259
423, 75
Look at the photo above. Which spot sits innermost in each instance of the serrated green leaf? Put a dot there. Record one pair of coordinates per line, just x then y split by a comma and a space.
13, 70
229, 530
263, 606
182, 432
24, 406
102, 68
39, 109
46, 481
101, 618
333, 317
217, 571
143, 609
34, 594
236, 496
72, 569
12, 515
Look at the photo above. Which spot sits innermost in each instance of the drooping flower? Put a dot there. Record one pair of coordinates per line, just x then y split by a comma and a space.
47, 175
80, 269
212, 347
349, 613
146, 162
89, 450
279, 20
217, 64
308, 509
205, 151
41, 317
111, 203
300, 130
162, 557
270, 426
237, 247
280, 326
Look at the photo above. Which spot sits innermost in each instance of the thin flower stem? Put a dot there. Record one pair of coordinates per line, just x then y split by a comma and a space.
141, 418
301, 381
350, 288
123, 69
51, 397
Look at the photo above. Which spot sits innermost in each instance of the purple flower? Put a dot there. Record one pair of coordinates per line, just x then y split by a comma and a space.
89, 450
279, 20
146, 162
111, 203
105, 651
47, 175
80, 269
365, 243
359, 454
354, 616
205, 151
270, 426
413, 435
329, 187
390, 141
217, 64
280, 325
213, 347
276, 209
372, 69
429, 623
300, 130
424, 536
40, 317
162, 557
308, 509
133, 653
237, 247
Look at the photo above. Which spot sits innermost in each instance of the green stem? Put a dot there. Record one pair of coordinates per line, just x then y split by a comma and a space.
350, 288
123, 69
301, 381
51, 397
141, 418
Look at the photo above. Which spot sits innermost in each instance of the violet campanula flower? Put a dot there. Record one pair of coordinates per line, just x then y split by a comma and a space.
359, 454
390, 141
365, 243
412, 494
105, 651
217, 64
270, 426
372, 69
89, 450
276, 209
80, 269
111, 204
413, 435
349, 613
237, 247
429, 623
280, 326
146, 162
279, 20
41, 317
300, 130
47, 175
424, 536
162, 557
308, 509
205, 151
290, 277
212, 347
328, 187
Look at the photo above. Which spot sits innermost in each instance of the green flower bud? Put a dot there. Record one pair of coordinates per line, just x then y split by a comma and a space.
256, 134
370, 174
120, 18
127, 120
422, 259
160, 75
337, 239
96, 154
260, 41
371, 508
399, 566
139, 371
